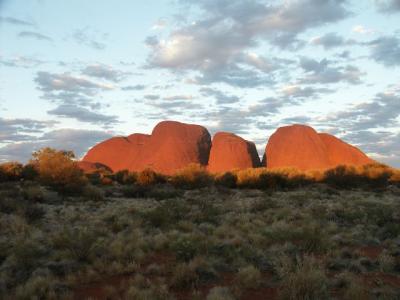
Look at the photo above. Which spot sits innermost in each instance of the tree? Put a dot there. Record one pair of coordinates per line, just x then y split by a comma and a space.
58, 169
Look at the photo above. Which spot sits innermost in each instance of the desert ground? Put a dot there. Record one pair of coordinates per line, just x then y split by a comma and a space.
127, 237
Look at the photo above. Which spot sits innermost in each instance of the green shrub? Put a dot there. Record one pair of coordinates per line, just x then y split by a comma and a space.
306, 282
220, 293
125, 177
227, 179
249, 277
33, 193
185, 248
78, 243
93, 193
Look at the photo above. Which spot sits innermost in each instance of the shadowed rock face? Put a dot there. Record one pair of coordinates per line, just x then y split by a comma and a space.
301, 147
170, 147
89, 167
229, 152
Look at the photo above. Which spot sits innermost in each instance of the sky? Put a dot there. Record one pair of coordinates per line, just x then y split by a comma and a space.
73, 73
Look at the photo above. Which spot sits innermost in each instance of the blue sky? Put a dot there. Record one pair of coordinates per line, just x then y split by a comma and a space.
73, 73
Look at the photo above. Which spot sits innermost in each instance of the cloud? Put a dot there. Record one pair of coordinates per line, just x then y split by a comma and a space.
178, 97
49, 82
151, 97
323, 72
299, 92
386, 50
83, 114
217, 43
90, 38
20, 62
159, 24
331, 40
382, 112
15, 21
362, 30
104, 72
137, 87
34, 35
76, 140
388, 6
222, 98
13, 130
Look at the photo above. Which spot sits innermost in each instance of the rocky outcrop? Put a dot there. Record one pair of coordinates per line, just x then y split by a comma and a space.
229, 152
301, 147
170, 147
340, 152
89, 167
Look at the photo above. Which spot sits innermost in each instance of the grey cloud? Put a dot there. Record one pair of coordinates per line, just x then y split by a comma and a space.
13, 130
137, 87
151, 97
90, 38
222, 98
20, 62
323, 72
64, 139
331, 40
105, 72
388, 6
83, 114
383, 111
35, 35
216, 44
300, 92
66, 82
15, 21
178, 97
386, 50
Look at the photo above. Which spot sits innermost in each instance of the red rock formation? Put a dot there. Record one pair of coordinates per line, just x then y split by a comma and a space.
296, 146
170, 147
175, 145
340, 152
229, 152
301, 147
89, 167
117, 153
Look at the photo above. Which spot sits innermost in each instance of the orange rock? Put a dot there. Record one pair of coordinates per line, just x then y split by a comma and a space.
301, 147
340, 153
175, 145
170, 147
229, 152
89, 167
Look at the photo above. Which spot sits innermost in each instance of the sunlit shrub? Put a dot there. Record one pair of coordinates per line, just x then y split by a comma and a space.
149, 177
368, 176
11, 171
192, 176
57, 169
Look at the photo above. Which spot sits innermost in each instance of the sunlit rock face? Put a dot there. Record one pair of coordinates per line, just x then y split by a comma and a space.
301, 147
170, 147
230, 152
340, 152
175, 145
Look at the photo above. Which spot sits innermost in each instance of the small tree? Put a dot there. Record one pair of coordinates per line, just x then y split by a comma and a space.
58, 169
